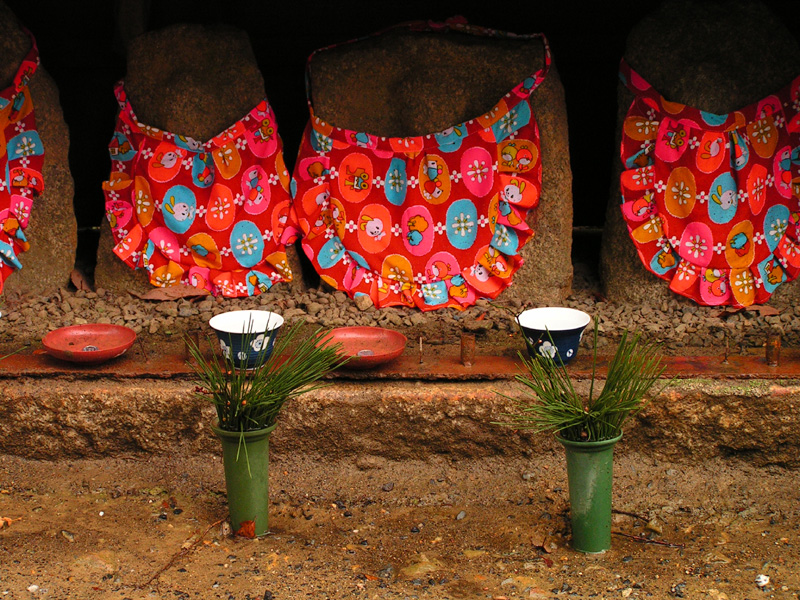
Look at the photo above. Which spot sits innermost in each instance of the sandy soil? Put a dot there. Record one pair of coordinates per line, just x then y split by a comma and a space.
154, 527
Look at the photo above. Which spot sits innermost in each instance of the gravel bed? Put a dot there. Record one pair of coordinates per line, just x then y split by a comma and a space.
681, 326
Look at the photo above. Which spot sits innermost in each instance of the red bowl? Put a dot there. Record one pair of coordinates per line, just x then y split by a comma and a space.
368, 346
91, 344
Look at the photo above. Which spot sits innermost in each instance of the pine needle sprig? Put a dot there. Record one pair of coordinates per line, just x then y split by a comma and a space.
552, 403
251, 399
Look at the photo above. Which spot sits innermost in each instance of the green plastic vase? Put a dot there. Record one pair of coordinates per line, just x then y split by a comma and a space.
245, 457
590, 476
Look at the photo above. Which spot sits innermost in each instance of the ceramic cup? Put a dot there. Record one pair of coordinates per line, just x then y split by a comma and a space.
246, 337
553, 331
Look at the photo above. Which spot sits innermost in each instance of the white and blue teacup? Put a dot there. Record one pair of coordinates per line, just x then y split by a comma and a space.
553, 331
246, 337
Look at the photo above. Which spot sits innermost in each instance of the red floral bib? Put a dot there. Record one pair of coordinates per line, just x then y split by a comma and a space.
429, 221
711, 201
21, 162
213, 215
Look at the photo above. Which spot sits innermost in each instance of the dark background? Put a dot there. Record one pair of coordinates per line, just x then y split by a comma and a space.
81, 48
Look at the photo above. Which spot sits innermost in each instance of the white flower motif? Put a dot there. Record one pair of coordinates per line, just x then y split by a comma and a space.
397, 274
395, 182
653, 224
685, 270
26, 147
646, 127
22, 211
462, 225
744, 282
680, 191
643, 177
431, 291
778, 228
762, 131
247, 243
258, 342
226, 350
143, 202
508, 122
323, 142
477, 171
696, 246
336, 249
501, 236
166, 279
547, 349
166, 248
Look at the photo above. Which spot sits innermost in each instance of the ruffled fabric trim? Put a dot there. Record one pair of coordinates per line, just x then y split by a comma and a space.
712, 201
215, 215
22, 162
376, 213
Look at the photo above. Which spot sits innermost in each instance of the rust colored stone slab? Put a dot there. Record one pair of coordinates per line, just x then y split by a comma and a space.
436, 363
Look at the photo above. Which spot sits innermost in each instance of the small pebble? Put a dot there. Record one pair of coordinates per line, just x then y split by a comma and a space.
762, 581
678, 590
461, 515
387, 487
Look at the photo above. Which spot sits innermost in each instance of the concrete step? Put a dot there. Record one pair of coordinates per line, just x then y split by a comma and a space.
406, 410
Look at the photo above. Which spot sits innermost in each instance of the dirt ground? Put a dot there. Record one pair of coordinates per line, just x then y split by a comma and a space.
154, 527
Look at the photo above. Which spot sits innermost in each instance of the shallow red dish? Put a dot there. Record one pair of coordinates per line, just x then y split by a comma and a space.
92, 343
368, 346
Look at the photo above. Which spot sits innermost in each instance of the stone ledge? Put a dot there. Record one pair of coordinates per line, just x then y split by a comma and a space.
695, 420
